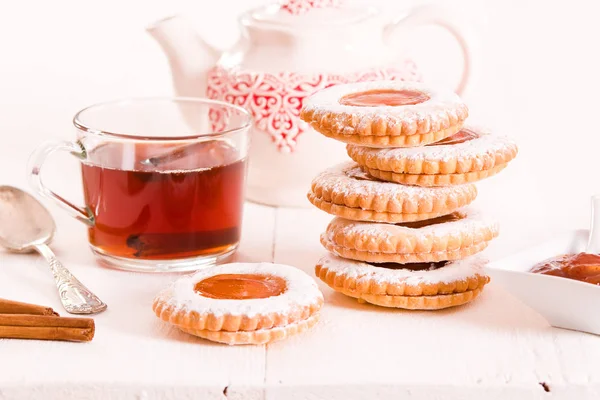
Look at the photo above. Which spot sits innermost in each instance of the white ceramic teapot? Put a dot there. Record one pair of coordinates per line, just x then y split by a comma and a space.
286, 52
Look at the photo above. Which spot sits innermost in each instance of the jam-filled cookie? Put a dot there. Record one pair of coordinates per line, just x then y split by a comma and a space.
467, 156
417, 286
347, 191
242, 303
449, 237
385, 114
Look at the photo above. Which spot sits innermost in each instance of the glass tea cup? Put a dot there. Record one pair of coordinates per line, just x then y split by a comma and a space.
163, 181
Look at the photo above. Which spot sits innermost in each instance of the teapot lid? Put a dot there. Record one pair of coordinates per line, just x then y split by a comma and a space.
305, 13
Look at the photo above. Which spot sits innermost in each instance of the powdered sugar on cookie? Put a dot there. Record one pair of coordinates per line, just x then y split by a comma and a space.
452, 272
426, 116
348, 179
470, 221
329, 99
301, 291
482, 146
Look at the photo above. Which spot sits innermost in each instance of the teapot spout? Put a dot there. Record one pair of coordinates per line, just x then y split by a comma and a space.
190, 57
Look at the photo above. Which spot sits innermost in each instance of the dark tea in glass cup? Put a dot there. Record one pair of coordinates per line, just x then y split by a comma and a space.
163, 183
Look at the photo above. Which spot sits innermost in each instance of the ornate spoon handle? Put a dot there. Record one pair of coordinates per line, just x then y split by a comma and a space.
75, 297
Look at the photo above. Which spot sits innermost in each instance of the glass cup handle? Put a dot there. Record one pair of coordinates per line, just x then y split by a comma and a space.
36, 161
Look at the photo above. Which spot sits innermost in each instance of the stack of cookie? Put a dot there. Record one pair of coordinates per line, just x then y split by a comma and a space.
403, 235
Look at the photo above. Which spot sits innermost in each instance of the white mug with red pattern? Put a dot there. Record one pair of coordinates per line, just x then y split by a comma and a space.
288, 51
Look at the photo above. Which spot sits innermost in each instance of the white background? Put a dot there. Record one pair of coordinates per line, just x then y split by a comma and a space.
535, 78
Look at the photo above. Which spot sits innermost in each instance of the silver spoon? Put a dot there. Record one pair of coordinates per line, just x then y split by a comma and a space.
25, 225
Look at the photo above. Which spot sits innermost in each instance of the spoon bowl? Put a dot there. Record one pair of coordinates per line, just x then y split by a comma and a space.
25, 225
24, 221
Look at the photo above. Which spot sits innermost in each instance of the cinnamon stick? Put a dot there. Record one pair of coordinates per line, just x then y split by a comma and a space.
16, 307
21, 326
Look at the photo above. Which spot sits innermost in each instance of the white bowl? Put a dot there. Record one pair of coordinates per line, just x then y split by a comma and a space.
565, 303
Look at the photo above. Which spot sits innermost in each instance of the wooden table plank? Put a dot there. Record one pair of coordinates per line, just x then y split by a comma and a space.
493, 348
132, 350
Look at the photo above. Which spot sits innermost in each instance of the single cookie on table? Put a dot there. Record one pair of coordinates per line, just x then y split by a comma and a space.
242, 303
467, 156
449, 237
417, 286
385, 113
345, 190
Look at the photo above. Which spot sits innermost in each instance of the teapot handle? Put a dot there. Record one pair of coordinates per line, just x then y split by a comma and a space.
434, 15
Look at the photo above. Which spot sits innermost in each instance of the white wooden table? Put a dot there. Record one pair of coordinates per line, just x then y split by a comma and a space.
494, 348
538, 85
